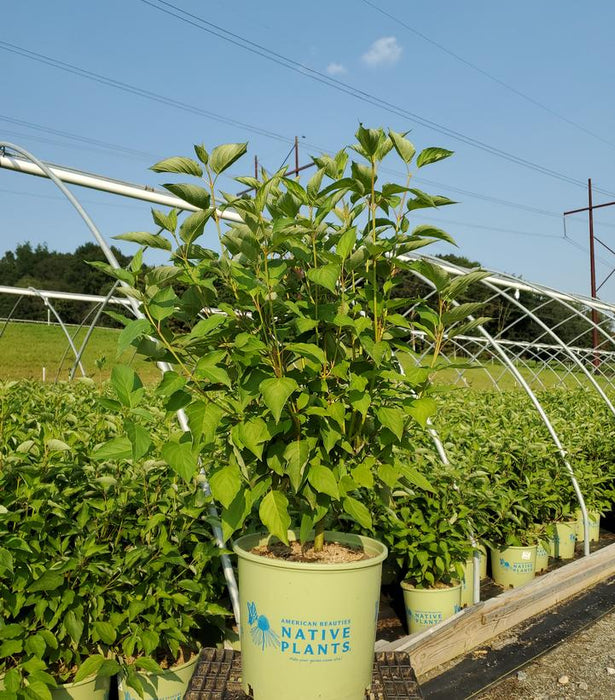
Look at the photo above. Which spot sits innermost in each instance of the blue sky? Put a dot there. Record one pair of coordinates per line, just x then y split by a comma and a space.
556, 53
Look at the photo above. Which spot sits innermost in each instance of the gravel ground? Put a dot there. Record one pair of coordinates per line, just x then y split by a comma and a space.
581, 667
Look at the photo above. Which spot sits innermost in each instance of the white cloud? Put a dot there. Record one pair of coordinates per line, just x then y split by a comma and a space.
336, 69
383, 52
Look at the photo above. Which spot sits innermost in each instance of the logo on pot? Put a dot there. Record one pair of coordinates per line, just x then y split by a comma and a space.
260, 629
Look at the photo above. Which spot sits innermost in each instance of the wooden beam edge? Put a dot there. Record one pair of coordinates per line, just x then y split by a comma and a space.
479, 623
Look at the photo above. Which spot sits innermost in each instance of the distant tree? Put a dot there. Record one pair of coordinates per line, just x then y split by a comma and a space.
65, 272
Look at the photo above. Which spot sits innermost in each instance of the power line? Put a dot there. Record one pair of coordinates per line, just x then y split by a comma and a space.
492, 77
125, 87
492, 228
255, 48
76, 137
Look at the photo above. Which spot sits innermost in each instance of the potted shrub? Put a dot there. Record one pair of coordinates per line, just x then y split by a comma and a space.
51, 566
163, 601
428, 533
286, 346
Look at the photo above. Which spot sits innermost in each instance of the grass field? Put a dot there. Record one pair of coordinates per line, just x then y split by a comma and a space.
25, 348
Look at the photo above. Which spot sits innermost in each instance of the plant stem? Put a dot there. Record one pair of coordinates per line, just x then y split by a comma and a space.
319, 535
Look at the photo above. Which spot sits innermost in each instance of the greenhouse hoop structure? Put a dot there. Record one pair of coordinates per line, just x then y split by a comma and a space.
566, 339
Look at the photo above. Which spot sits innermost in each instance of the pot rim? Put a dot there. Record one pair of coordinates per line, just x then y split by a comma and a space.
516, 546
242, 546
409, 587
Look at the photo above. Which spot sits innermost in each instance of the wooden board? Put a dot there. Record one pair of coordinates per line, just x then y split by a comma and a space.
478, 624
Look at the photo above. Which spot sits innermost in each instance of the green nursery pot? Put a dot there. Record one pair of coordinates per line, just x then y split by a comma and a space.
170, 685
95, 688
426, 607
564, 539
513, 566
308, 630
594, 527
542, 559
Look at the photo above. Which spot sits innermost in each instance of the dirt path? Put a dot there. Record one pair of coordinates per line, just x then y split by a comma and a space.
582, 667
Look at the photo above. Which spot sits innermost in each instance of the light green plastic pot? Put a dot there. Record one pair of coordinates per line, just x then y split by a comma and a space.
563, 539
467, 582
308, 630
426, 607
95, 688
513, 566
542, 559
171, 685
594, 527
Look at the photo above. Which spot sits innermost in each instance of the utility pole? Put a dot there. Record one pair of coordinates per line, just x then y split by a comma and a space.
298, 168
592, 259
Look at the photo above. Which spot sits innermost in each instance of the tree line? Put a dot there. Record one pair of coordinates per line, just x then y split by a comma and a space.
41, 268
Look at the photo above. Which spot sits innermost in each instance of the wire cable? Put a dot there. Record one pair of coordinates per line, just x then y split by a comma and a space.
485, 73
125, 87
172, 10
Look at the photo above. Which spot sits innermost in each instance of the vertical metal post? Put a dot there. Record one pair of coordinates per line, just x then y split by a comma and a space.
297, 155
256, 167
592, 270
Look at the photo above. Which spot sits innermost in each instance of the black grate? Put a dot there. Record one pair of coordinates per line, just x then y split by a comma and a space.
218, 677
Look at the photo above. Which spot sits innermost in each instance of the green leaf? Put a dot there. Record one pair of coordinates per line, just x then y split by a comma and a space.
148, 664
222, 157
106, 631
127, 385
35, 645
207, 325
114, 449
323, 480
358, 512
216, 375
428, 231
393, 419
253, 433
54, 445
150, 640
39, 690
296, 455
273, 512
225, 484
414, 476
12, 631
180, 458
73, 625
326, 276
346, 243
431, 155
309, 350
145, 239
307, 525
193, 226
403, 147
167, 221
139, 439
178, 164
193, 194
422, 409
89, 667
276, 393
49, 581
388, 474
135, 329
10, 647
363, 476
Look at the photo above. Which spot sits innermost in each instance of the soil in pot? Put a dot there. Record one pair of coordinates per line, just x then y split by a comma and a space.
308, 628
513, 566
426, 607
